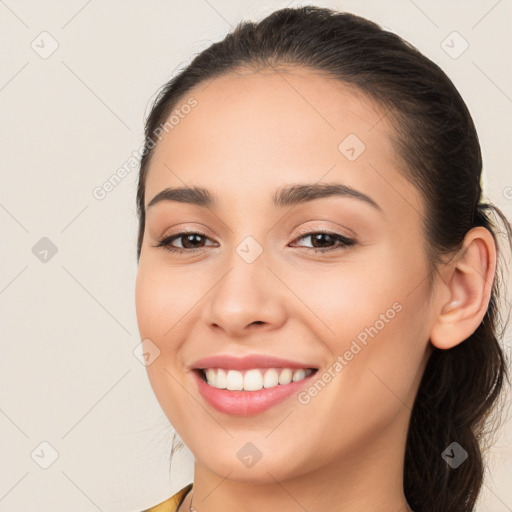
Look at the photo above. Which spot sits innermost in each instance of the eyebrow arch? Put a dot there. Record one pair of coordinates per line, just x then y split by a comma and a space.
289, 195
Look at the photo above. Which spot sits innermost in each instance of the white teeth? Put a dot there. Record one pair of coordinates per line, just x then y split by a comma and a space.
298, 375
210, 376
254, 379
234, 380
271, 378
220, 379
286, 376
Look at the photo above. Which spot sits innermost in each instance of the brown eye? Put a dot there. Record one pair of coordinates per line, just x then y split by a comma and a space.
323, 241
189, 241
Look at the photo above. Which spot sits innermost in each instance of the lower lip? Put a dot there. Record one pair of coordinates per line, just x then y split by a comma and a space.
247, 403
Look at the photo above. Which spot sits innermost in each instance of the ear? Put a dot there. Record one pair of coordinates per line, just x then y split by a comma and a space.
465, 290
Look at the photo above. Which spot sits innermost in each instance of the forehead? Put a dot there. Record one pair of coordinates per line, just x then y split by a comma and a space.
251, 131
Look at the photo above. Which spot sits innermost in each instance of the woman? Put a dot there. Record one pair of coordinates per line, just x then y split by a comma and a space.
318, 272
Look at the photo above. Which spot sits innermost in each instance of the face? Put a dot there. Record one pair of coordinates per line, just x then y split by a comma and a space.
259, 278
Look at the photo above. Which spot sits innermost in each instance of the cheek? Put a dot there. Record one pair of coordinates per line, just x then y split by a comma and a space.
149, 303
159, 306
163, 299
373, 311
346, 296
383, 332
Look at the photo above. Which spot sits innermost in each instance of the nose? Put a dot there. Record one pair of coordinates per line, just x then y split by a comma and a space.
248, 296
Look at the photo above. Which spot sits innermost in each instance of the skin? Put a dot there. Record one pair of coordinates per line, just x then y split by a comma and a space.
252, 132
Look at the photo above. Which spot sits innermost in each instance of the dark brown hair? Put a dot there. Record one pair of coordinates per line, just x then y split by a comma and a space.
436, 140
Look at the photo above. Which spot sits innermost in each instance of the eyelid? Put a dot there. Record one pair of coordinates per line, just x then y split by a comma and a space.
300, 233
346, 240
319, 229
167, 237
178, 229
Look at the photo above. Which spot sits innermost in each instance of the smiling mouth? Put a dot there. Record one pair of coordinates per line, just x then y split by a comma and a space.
252, 379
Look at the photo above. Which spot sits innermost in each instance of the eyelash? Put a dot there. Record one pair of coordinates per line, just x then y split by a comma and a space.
165, 241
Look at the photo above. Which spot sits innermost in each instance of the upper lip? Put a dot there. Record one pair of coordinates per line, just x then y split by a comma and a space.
244, 363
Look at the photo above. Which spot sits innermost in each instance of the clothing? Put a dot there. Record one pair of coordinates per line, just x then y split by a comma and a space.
172, 504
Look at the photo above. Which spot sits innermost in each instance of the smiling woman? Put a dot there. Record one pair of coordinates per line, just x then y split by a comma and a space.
315, 223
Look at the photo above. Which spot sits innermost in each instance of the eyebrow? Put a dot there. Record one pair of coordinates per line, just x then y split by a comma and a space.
289, 195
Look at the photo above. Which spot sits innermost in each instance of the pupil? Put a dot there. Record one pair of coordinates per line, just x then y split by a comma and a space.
189, 238
318, 236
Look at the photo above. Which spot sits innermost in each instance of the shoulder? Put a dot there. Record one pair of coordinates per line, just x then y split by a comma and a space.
171, 504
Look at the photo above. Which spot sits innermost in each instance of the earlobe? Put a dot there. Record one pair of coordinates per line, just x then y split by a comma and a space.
465, 290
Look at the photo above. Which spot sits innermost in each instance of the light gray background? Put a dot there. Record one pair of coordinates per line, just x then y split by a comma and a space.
69, 376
